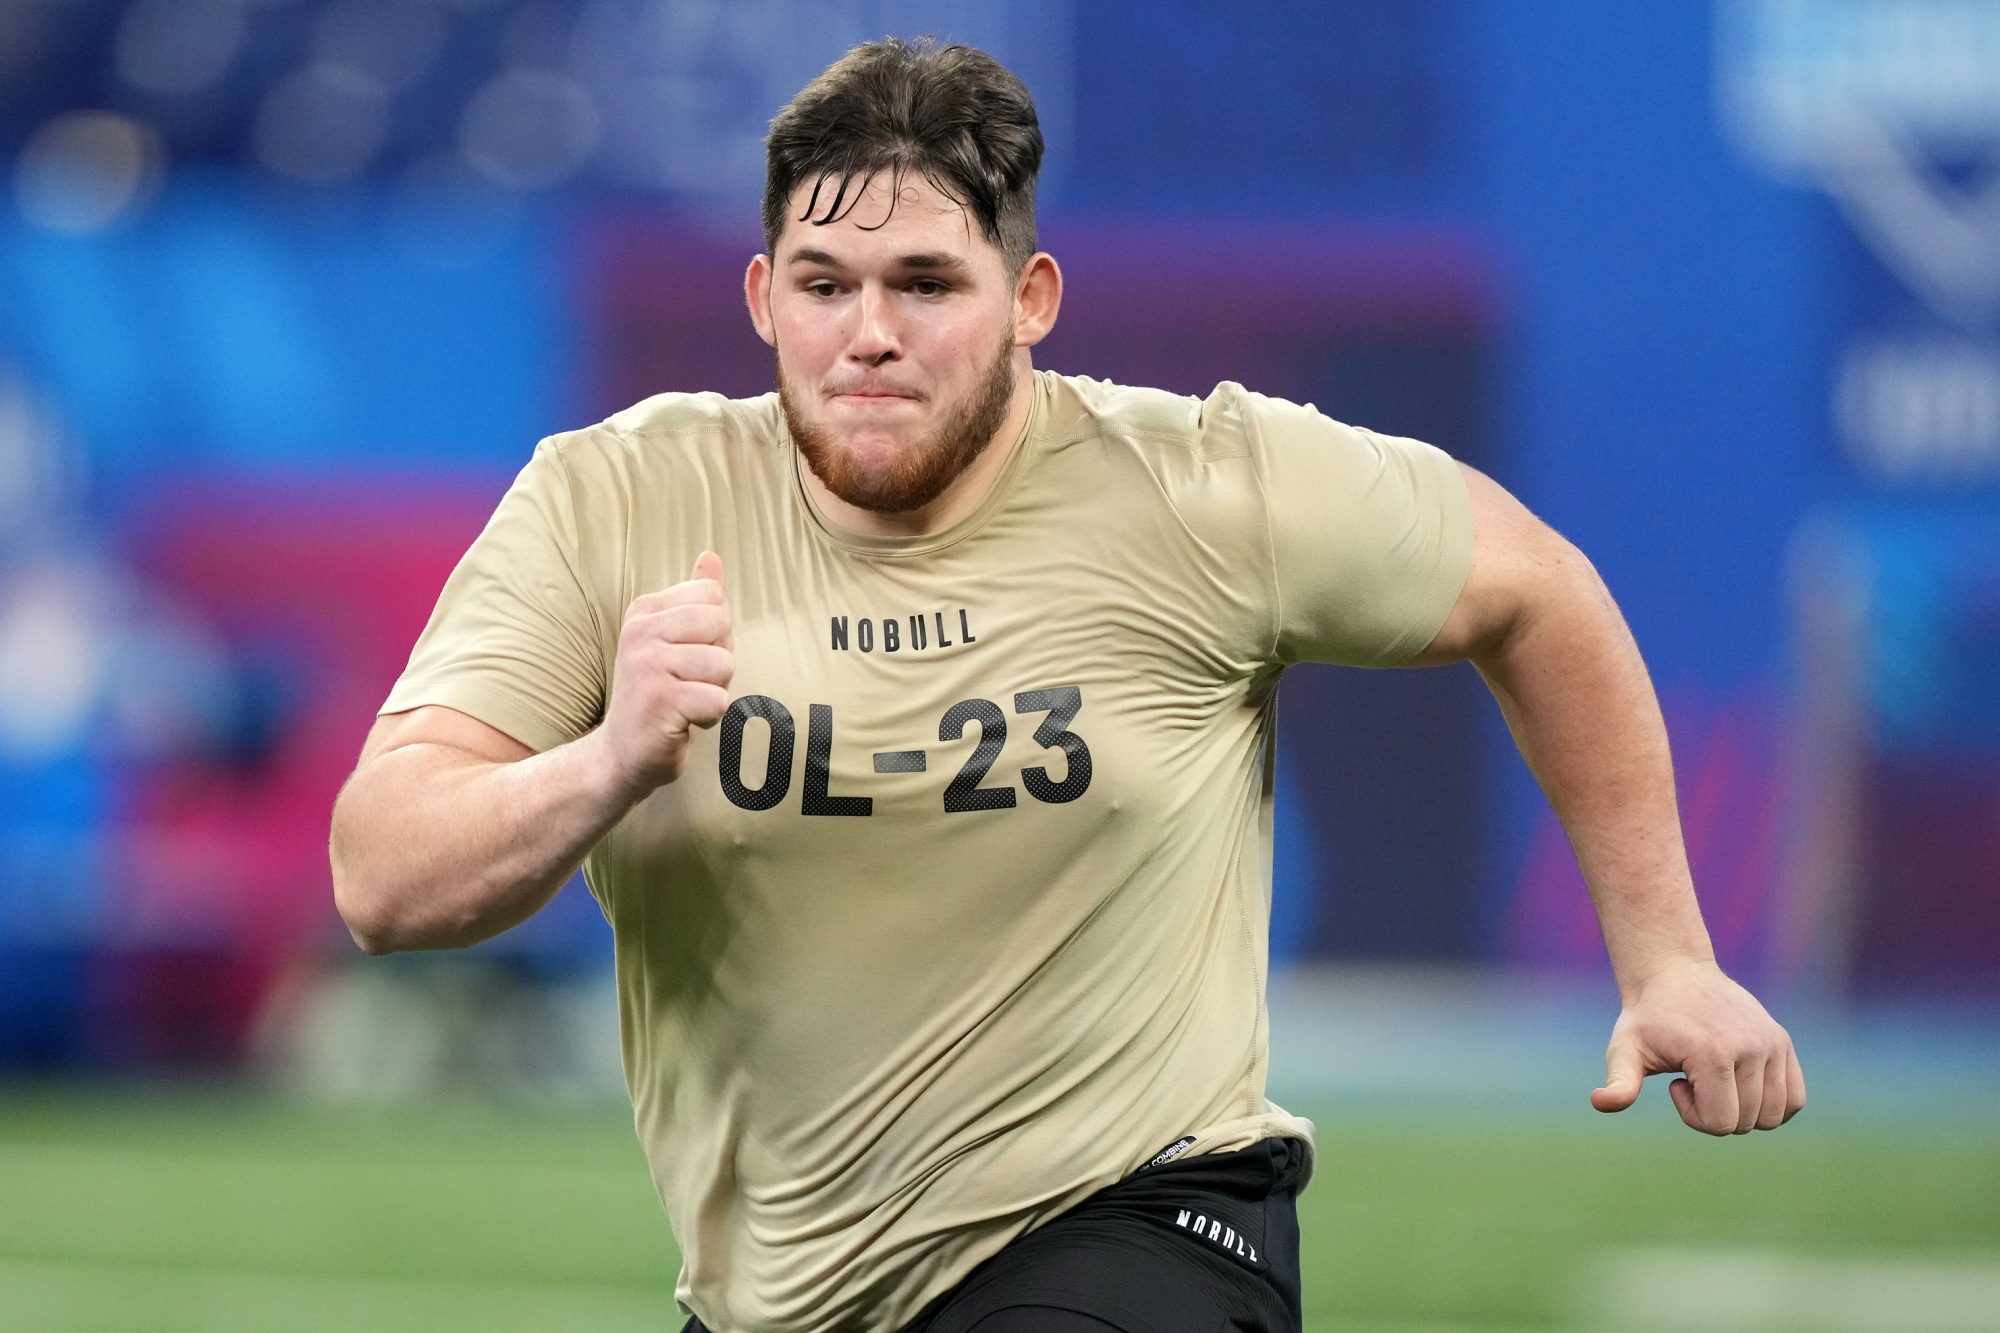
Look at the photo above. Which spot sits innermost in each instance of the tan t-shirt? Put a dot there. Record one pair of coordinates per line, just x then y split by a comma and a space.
961, 914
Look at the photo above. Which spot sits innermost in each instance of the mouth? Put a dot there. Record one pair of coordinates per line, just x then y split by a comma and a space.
869, 399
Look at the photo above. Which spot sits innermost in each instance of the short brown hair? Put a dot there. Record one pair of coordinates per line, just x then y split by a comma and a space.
953, 114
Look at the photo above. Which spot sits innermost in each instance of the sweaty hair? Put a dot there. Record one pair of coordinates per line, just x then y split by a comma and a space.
952, 114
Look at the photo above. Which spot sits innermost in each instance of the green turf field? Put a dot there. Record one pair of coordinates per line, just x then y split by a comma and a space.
179, 1212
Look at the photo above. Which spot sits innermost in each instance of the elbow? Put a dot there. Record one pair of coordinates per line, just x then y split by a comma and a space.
372, 928
374, 910
358, 908
372, 942
379, 929
382, 920
368, 907
372, 945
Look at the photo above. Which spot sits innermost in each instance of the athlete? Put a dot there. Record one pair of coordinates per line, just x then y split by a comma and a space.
912, 725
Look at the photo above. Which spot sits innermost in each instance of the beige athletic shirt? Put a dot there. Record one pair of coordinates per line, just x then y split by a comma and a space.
961, 914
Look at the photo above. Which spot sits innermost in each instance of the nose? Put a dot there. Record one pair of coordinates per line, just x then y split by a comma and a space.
874, 340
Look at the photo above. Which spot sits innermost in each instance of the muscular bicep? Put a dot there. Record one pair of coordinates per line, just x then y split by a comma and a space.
1515, 559
437, 725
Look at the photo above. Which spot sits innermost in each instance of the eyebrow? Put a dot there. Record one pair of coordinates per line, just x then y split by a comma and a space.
929, 261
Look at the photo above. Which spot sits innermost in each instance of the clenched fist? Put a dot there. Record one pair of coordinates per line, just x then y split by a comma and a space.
672, 675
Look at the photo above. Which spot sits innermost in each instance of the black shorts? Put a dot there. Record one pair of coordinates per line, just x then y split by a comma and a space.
1204, 1244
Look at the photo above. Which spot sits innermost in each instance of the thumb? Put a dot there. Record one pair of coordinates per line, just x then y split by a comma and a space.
708, 565
1625, 1073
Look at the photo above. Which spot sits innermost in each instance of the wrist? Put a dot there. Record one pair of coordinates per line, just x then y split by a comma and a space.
606, 776
1635, 976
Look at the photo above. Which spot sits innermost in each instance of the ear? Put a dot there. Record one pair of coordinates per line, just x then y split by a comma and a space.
1037, 298
757, 295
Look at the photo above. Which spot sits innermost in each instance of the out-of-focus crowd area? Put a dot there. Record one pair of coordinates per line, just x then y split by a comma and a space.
289, 289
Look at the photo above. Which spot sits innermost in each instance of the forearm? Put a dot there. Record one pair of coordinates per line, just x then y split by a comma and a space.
1573, 689
435, 848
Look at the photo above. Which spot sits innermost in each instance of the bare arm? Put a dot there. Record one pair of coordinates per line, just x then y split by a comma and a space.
1540, 626
450, 831
1542, 630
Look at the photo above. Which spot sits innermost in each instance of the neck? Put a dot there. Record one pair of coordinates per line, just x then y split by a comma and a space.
964, 493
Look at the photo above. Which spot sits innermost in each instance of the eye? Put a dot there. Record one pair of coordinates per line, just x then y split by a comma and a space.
929, 287
822, 288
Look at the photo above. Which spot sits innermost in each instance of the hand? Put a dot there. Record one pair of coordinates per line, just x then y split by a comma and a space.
1741, 1071
672, 675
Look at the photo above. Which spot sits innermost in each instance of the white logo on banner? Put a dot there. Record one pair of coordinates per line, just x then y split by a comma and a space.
1892, 107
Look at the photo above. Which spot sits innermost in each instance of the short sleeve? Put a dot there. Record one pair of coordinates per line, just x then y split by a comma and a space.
513, 640
1371, 536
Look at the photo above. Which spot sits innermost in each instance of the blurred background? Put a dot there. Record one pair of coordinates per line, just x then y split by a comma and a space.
289, 289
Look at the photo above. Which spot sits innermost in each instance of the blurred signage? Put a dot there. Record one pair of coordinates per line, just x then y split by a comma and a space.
99, 100
1892, 108
689, 86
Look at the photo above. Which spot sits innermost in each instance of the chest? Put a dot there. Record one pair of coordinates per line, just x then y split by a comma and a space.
898, 695
1068, 664
883, 713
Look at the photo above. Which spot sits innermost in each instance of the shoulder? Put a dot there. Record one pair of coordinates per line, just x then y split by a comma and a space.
675, 432
1229, 423
1152, 457
1164, 488
1210, 427
701, 413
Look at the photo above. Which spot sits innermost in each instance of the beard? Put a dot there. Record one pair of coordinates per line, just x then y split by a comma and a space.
924, 468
